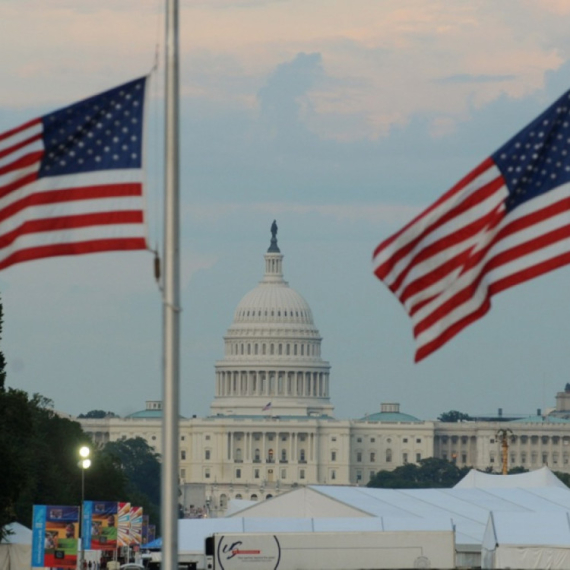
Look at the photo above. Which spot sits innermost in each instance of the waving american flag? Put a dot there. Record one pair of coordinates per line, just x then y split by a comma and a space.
506, 222
71, 181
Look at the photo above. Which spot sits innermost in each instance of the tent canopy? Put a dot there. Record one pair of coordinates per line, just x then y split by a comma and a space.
540, 478
17, 534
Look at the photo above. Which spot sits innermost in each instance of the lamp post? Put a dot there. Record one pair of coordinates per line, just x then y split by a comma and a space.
84, 463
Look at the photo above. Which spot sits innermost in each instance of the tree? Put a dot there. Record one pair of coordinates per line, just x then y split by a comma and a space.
141, 467
430, 473
97, 414
454, 416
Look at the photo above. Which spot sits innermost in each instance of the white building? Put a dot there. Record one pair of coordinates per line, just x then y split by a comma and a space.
272, 426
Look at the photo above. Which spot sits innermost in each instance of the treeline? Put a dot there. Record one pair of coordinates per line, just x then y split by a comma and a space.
39, 461
434, 473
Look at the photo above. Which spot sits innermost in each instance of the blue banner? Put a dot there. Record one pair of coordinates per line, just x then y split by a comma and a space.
86, 516
38, 536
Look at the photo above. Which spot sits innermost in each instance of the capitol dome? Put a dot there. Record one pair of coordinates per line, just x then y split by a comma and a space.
272, 361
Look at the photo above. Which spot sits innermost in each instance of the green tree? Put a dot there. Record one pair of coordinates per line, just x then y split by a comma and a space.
97, 414
429, 473
141, 466
564, 477
454, 416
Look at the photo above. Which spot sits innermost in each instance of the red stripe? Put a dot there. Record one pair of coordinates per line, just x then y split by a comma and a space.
71, 222
8, 134
80, 248
71, 195
19, 145
472, 200
485, 165
23, 162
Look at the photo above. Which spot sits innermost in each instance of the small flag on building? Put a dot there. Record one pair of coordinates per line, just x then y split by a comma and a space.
506, 222
266, 407
71, 181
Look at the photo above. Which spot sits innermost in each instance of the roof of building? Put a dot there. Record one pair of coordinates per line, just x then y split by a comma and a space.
147, 415
390, 417
540, 420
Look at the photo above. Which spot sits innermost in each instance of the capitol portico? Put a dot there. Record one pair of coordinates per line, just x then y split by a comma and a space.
272, 425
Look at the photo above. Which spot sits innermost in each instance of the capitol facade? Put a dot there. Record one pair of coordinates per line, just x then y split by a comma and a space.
272, 426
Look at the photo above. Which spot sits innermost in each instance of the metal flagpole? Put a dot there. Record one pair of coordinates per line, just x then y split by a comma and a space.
171, 303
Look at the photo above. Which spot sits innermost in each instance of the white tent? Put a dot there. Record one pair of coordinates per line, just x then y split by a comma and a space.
468, 505
542, 477
527, 540
16, 548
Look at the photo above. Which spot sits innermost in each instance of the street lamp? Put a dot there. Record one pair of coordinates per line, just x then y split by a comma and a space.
84, 463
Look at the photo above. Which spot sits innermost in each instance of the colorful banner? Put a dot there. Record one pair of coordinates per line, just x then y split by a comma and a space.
124, 524
144, 533
100, 521
136, 525
55, 536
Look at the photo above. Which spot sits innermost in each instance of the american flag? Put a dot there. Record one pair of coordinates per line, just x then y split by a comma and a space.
71, 181
266, 407
506, 222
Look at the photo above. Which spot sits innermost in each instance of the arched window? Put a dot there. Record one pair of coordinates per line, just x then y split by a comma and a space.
223, 501
283, 455
253, 497
257, 455
238, 496
388, 456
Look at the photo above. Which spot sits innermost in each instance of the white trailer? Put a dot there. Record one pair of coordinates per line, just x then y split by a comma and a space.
331, 550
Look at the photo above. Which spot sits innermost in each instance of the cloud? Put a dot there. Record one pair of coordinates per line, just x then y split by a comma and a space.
465, 78
384, 213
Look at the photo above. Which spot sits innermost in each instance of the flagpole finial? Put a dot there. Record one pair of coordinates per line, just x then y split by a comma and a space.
273, 248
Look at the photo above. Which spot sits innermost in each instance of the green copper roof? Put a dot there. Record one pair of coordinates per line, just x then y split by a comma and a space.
147, 415
389, 417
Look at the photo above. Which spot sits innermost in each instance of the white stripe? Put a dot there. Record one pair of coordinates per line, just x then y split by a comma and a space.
74, 236
21, 136
61, 209
73, 181
16, 175
419, 227
450, 229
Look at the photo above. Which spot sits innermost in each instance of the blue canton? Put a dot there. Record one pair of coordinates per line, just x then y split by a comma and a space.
103, 132
537, 159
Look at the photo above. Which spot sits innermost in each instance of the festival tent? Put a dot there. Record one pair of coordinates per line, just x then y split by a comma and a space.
16, 548
527, 541
468, 506
542, 477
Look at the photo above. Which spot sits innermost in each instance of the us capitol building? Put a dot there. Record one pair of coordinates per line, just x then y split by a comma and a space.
272, 426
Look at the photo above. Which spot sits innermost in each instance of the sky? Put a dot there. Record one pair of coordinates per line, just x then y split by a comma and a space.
341, 120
